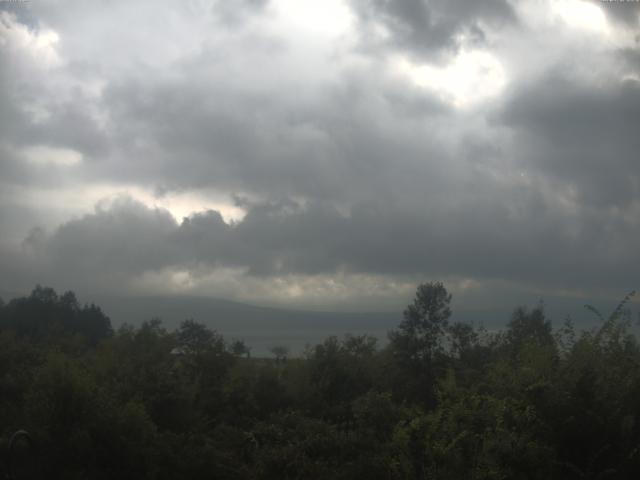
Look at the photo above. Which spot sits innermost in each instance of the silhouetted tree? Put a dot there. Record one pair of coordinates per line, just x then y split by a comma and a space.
44, 314
280, 352
240, 348
418, 340
529, 326
196, 338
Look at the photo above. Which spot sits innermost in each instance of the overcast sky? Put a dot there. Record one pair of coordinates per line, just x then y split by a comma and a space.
325, 154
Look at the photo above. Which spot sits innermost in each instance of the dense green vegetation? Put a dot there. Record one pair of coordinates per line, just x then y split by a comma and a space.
442, 400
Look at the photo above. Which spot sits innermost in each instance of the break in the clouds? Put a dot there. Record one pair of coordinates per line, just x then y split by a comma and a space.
319, 152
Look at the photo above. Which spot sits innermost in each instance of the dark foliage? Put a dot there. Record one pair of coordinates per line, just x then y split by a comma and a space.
44, 315
441, 401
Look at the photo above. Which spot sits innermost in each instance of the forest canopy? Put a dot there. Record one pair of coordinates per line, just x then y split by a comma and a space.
441, 400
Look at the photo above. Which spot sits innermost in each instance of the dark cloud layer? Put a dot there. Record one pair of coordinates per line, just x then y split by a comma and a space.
431, 28
482, 241
623, 13
582, 137
343, 163
256, 143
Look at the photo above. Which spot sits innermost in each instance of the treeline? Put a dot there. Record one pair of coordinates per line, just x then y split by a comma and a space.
442, 400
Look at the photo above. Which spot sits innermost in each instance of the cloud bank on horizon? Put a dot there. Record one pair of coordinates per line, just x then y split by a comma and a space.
320, 153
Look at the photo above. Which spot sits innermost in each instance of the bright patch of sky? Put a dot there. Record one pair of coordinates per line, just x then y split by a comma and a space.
468, 79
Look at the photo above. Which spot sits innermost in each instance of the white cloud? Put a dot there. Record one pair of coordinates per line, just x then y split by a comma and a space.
329, 19
582, 15
76, 199
468, 79
39, 45
53, 156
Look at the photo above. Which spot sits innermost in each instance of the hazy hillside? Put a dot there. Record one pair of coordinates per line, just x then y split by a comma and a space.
260, 327
264, 327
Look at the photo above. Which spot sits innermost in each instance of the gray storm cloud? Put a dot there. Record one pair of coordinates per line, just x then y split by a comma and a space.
432, 29
126, 238
583, 138
341, 161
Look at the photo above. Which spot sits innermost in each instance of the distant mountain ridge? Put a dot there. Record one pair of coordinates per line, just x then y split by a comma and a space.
260, 327
226, 314
264, 327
